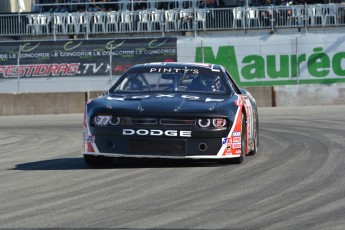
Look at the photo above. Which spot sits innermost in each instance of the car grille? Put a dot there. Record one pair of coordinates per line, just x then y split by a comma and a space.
156, 147
158, 121
138, 121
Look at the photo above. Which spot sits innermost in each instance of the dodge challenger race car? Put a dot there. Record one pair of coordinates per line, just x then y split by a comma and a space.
171, 110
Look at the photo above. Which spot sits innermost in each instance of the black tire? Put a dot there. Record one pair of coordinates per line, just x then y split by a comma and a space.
256, 141
255, 150
240, 159
98, 161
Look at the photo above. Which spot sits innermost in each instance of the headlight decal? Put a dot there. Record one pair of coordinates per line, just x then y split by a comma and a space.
204, 122
219, 122
212, 122
114, 121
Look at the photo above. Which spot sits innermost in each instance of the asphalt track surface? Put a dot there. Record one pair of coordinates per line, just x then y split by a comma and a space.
296, 181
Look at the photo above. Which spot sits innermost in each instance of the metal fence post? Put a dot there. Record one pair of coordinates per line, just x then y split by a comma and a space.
110, 66
18, 64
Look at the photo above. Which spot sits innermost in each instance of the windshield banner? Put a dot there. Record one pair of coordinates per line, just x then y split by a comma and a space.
81, 58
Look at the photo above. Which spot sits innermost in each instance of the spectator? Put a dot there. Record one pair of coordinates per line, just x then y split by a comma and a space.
266, 14
113, 5
282, 13
48, 5
35, 6
281, 3
96, 6
208, 3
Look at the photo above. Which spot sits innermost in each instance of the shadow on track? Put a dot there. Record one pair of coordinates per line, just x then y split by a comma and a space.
121, 163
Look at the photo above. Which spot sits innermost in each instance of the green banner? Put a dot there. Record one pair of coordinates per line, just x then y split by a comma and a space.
266, 60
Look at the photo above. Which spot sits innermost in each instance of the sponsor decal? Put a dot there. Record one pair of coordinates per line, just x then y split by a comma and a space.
122, 68
141, 97
228, 149
173, 70
236, 134
155, 43
190, 97
84, 135
26, 47
39, 70
226, 141
213, 100
236, 145
115, 98
165, 95
70, 46
91, 138
157, 132
111, 45
169, 96
239, 102
102, 120
238, 151
236, 139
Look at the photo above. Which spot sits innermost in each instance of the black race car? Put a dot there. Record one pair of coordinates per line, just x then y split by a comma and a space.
171, 110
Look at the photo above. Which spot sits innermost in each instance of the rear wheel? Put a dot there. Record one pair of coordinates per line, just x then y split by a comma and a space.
98, 161
240, 159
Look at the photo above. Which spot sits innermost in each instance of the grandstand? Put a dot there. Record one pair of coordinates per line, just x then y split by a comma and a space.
90, 18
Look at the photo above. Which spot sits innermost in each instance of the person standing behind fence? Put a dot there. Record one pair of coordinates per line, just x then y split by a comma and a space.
266, 14
282, 12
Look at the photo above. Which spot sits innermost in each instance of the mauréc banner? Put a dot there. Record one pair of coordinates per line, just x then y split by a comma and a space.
80, 58
272, 59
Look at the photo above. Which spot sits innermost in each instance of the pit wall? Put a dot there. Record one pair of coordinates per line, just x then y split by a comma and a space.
304, 95
266, 96
63, 103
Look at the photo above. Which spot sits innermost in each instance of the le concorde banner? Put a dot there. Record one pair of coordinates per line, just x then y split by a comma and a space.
80, 58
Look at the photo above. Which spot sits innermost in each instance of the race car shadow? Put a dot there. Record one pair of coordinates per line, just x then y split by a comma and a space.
79, 164
53, 164
163, 163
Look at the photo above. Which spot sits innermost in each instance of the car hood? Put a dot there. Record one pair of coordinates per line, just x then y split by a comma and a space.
162, 104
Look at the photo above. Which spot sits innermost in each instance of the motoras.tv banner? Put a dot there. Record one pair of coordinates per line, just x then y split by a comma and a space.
73, 58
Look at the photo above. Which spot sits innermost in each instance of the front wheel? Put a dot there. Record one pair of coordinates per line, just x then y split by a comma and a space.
98, 161
256, 141
255, 150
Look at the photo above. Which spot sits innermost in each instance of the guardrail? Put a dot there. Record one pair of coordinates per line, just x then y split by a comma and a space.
172, 20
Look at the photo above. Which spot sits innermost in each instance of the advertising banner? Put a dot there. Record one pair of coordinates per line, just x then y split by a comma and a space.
266, 60
80, 58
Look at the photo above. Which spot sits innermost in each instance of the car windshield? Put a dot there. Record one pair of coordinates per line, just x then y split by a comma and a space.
202, 80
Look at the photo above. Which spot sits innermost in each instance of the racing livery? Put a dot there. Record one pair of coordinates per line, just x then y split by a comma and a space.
171, 110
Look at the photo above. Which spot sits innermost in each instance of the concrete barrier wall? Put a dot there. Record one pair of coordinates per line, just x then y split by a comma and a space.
266, 96
302, 95
263, 95
42, 103
62, 103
